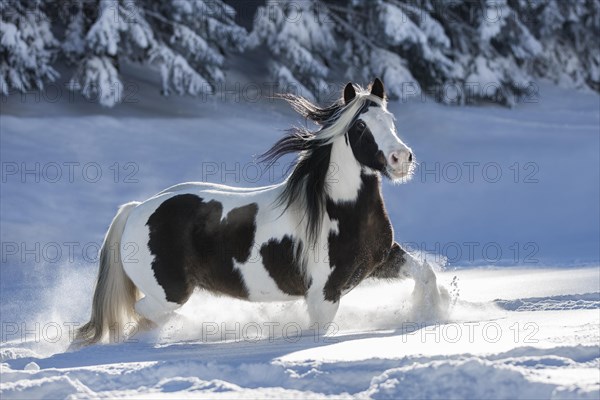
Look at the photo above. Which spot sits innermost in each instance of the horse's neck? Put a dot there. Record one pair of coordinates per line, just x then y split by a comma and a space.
344, 174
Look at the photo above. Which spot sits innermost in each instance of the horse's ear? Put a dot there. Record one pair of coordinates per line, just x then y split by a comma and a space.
377, 88
349, 93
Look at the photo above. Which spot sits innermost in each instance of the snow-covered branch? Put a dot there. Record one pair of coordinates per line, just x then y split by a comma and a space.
488, 50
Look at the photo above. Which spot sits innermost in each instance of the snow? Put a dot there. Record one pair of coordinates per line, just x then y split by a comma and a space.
523, 325
398, 28
399, 80
480, 351
494, 19
100, 81
104, 34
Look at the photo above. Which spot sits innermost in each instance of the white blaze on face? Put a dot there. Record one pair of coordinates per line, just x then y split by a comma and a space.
397, 155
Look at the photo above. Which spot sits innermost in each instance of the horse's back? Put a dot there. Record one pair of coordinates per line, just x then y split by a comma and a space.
203, 186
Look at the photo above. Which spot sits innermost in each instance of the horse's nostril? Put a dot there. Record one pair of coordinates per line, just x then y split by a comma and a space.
394, 159
409, 157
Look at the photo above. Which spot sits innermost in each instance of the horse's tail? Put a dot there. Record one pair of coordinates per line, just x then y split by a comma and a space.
115, 294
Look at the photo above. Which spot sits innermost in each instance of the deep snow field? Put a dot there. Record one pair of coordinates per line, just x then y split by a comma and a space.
508, 213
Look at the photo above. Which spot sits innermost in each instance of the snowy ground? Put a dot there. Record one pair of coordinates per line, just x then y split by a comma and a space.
523, 252
539, 341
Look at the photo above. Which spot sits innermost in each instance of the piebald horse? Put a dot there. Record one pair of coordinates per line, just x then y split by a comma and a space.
316, 235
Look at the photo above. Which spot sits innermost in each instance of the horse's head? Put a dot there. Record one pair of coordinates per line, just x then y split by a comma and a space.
373, 136
358, 125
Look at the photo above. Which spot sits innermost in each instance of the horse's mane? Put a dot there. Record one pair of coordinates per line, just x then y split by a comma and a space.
306, 186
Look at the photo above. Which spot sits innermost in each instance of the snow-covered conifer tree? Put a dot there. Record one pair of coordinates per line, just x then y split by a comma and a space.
185, 39
458, 52
26, 46
300, 39
569, 33
397, 42
489, 50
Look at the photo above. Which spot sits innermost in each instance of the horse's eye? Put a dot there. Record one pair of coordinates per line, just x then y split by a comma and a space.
361, 125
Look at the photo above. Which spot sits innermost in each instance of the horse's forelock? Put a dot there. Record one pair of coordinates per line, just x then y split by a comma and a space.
325, 116
311, 111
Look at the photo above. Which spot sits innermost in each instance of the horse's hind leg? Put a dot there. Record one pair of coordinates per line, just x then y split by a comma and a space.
156, 311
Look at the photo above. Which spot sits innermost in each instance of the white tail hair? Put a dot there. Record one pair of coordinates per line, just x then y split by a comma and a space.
115, 294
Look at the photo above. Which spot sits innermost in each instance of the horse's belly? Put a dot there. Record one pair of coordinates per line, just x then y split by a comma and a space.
262, 286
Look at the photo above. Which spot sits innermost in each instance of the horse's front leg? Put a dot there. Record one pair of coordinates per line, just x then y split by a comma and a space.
320, 310
427, 295
401, 264
322, 300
